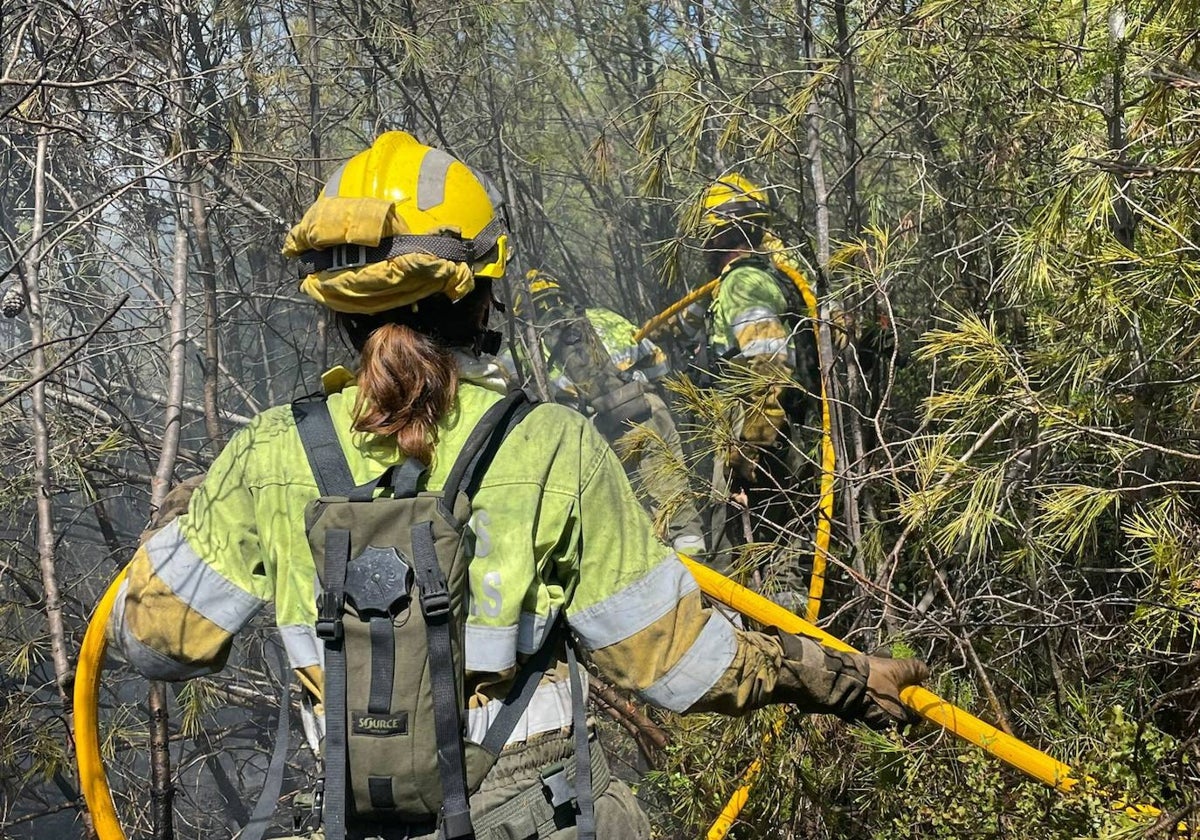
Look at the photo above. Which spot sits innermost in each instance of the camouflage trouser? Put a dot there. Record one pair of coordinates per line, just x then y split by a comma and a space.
514, 801
661, 473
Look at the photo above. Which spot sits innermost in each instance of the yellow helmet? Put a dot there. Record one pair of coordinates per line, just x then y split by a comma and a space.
396, 223
545, 292
733, 198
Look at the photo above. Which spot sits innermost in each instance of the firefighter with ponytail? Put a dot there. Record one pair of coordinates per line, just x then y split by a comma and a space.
466, 549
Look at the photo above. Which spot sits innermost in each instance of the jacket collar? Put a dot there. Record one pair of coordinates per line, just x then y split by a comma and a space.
484, 371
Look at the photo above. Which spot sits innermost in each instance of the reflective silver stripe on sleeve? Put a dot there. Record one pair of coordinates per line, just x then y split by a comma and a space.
657, 371
300, 642
431, 179
335, 182
697, 670
158, 666
495, 648
533, 630
635, 607
142, 658
549, 709
489, 649
198, 584
753, 315
116, 618
781, 347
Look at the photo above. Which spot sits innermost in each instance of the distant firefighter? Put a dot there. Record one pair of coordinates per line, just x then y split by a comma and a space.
598, 366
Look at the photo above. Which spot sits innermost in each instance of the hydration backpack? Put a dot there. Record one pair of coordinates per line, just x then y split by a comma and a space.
393, 562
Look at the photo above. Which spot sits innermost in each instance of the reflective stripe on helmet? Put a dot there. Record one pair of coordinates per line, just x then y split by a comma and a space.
431, 178
335, 182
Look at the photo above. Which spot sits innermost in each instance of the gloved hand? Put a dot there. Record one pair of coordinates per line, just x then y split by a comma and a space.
853, 686
885, 679
762, 423
174, 505
743, 460
765, 419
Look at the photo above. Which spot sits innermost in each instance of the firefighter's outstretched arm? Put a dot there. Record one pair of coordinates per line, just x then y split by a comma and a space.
646, 628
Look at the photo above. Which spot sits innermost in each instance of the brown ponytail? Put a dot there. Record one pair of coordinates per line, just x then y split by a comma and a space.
405, 384
408, 376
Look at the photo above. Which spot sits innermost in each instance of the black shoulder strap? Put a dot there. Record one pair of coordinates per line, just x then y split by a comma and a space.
585, 796
521, 693
465, 474
332, 472
435, 607
484, 441
330, 631
320, 440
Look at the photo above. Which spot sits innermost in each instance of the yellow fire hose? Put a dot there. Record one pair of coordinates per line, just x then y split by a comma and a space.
816, 584
733, 808
92, 777
1012, 751
659, 321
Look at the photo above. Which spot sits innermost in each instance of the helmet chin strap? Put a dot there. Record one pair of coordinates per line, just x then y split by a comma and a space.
489, 341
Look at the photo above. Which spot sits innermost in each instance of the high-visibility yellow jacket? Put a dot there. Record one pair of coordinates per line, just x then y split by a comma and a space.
748, 312
561, 531
644, 358
748, 327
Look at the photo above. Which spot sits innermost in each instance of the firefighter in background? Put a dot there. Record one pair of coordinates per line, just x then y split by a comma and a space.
759, 334
596, 366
